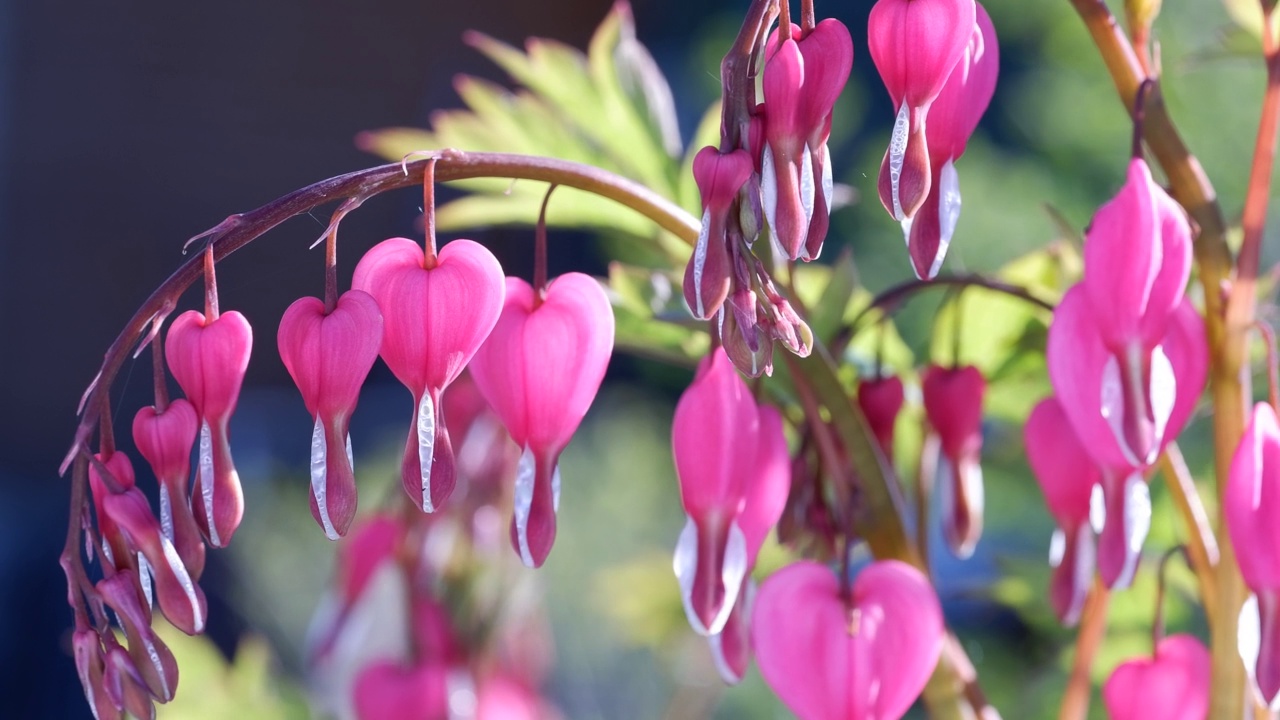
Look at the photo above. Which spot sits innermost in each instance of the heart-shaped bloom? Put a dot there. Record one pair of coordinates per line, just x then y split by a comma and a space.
208, 357
880, 399
165, 440
540, 370
1069, 479
867, 659
115, 549
953, 117
434, 320
803, 76
1251, 505
765, 499
387, 690
1087, 383
953, 404
1171, 685
914, 44
715, 439
719, 176
329, 356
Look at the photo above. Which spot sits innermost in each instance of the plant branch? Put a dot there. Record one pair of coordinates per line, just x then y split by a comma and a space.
1093, 628
1202, 546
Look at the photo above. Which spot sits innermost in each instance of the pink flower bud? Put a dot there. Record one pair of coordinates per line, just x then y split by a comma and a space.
208, 358
386, 690
1173, 684
1069, 479
540, 370
881, 400
374, 541
180, 598
329, 357
914, 44
750, 353
802, 79
434, 320
706, 278
826, 659
953, 404
165, 441
153, 662
124, 685
115, 549
90, 666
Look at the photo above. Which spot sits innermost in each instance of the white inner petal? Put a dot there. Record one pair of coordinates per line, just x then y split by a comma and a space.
319, 478
948, 212
806, 184
898, 154
555, 487
1086, 561
828, 180
1137, 522
144, 579
460, 687
1057, 547
206, 480
154, 656
1112, 403
166, 512
426, 446
769, 188
526, 472
685, 564
1097, 508
179, 571
1249, 635
699, 262
1163, 392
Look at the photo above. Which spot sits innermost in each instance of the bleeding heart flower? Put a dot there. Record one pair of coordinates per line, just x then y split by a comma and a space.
165, 440
831, 659
124, 684
881, 400
115, 549
715, 435
90, 666
953, 404
208, 357
803, 77
1172, 685
914, 44
719, 176
329, 356
1069, 479
434, 320
152, 660
953, 117
540, 370
386, 690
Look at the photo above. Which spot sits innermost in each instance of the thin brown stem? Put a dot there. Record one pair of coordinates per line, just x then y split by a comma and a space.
739, 92
158, 376
106, 431
1093, 628
540, 249
1202, 547
828, 450
210, 284
331, 269
429, 211
784, 19
808, 20
1162, 573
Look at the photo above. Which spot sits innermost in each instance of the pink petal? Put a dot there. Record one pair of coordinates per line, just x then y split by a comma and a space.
715, 422
881, 400
965, 96
827, 53
329, 356
1188, 352
1128, 519
1252, 500
770, 483
916, 43
1173, 685
1175, 265
373, 542
386, 690
166, 440
209, 359
1073, 556
953, 404
152, 659
1066, 473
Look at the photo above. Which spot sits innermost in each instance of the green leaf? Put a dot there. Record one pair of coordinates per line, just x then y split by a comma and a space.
651, 318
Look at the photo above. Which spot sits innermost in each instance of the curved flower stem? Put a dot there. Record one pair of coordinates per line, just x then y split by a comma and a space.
1227, 336
1093, 628
239, 230
1202, 546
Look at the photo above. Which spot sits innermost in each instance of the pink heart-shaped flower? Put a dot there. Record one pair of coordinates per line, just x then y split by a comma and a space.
828, 660
540, 370
165, 440
1173, 685
434, 320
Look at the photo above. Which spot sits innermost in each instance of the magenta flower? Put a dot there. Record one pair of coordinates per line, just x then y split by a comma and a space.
881, 399
1251, 504
208, 357
1068, 477
1084, 377
714, 437
865, 659
707, 276
764, 500
387, 690
165, 440
91, 667
150, 658
1171, 685
434, 320
803, 76
540, 370
329, 356
953, 117
953, 404
503, 698
914, 44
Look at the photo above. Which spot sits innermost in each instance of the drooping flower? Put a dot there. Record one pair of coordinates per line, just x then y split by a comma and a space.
208, 357
1068, 477
803, 76
151, 658
719, 176
165, 440
953, 404
764, 500
867, 658
1251, 504
953, 117
914, 44
540, 369
388, 690
328, 356
714, 435
434, 320
880, 399
91, 667
1171, 685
